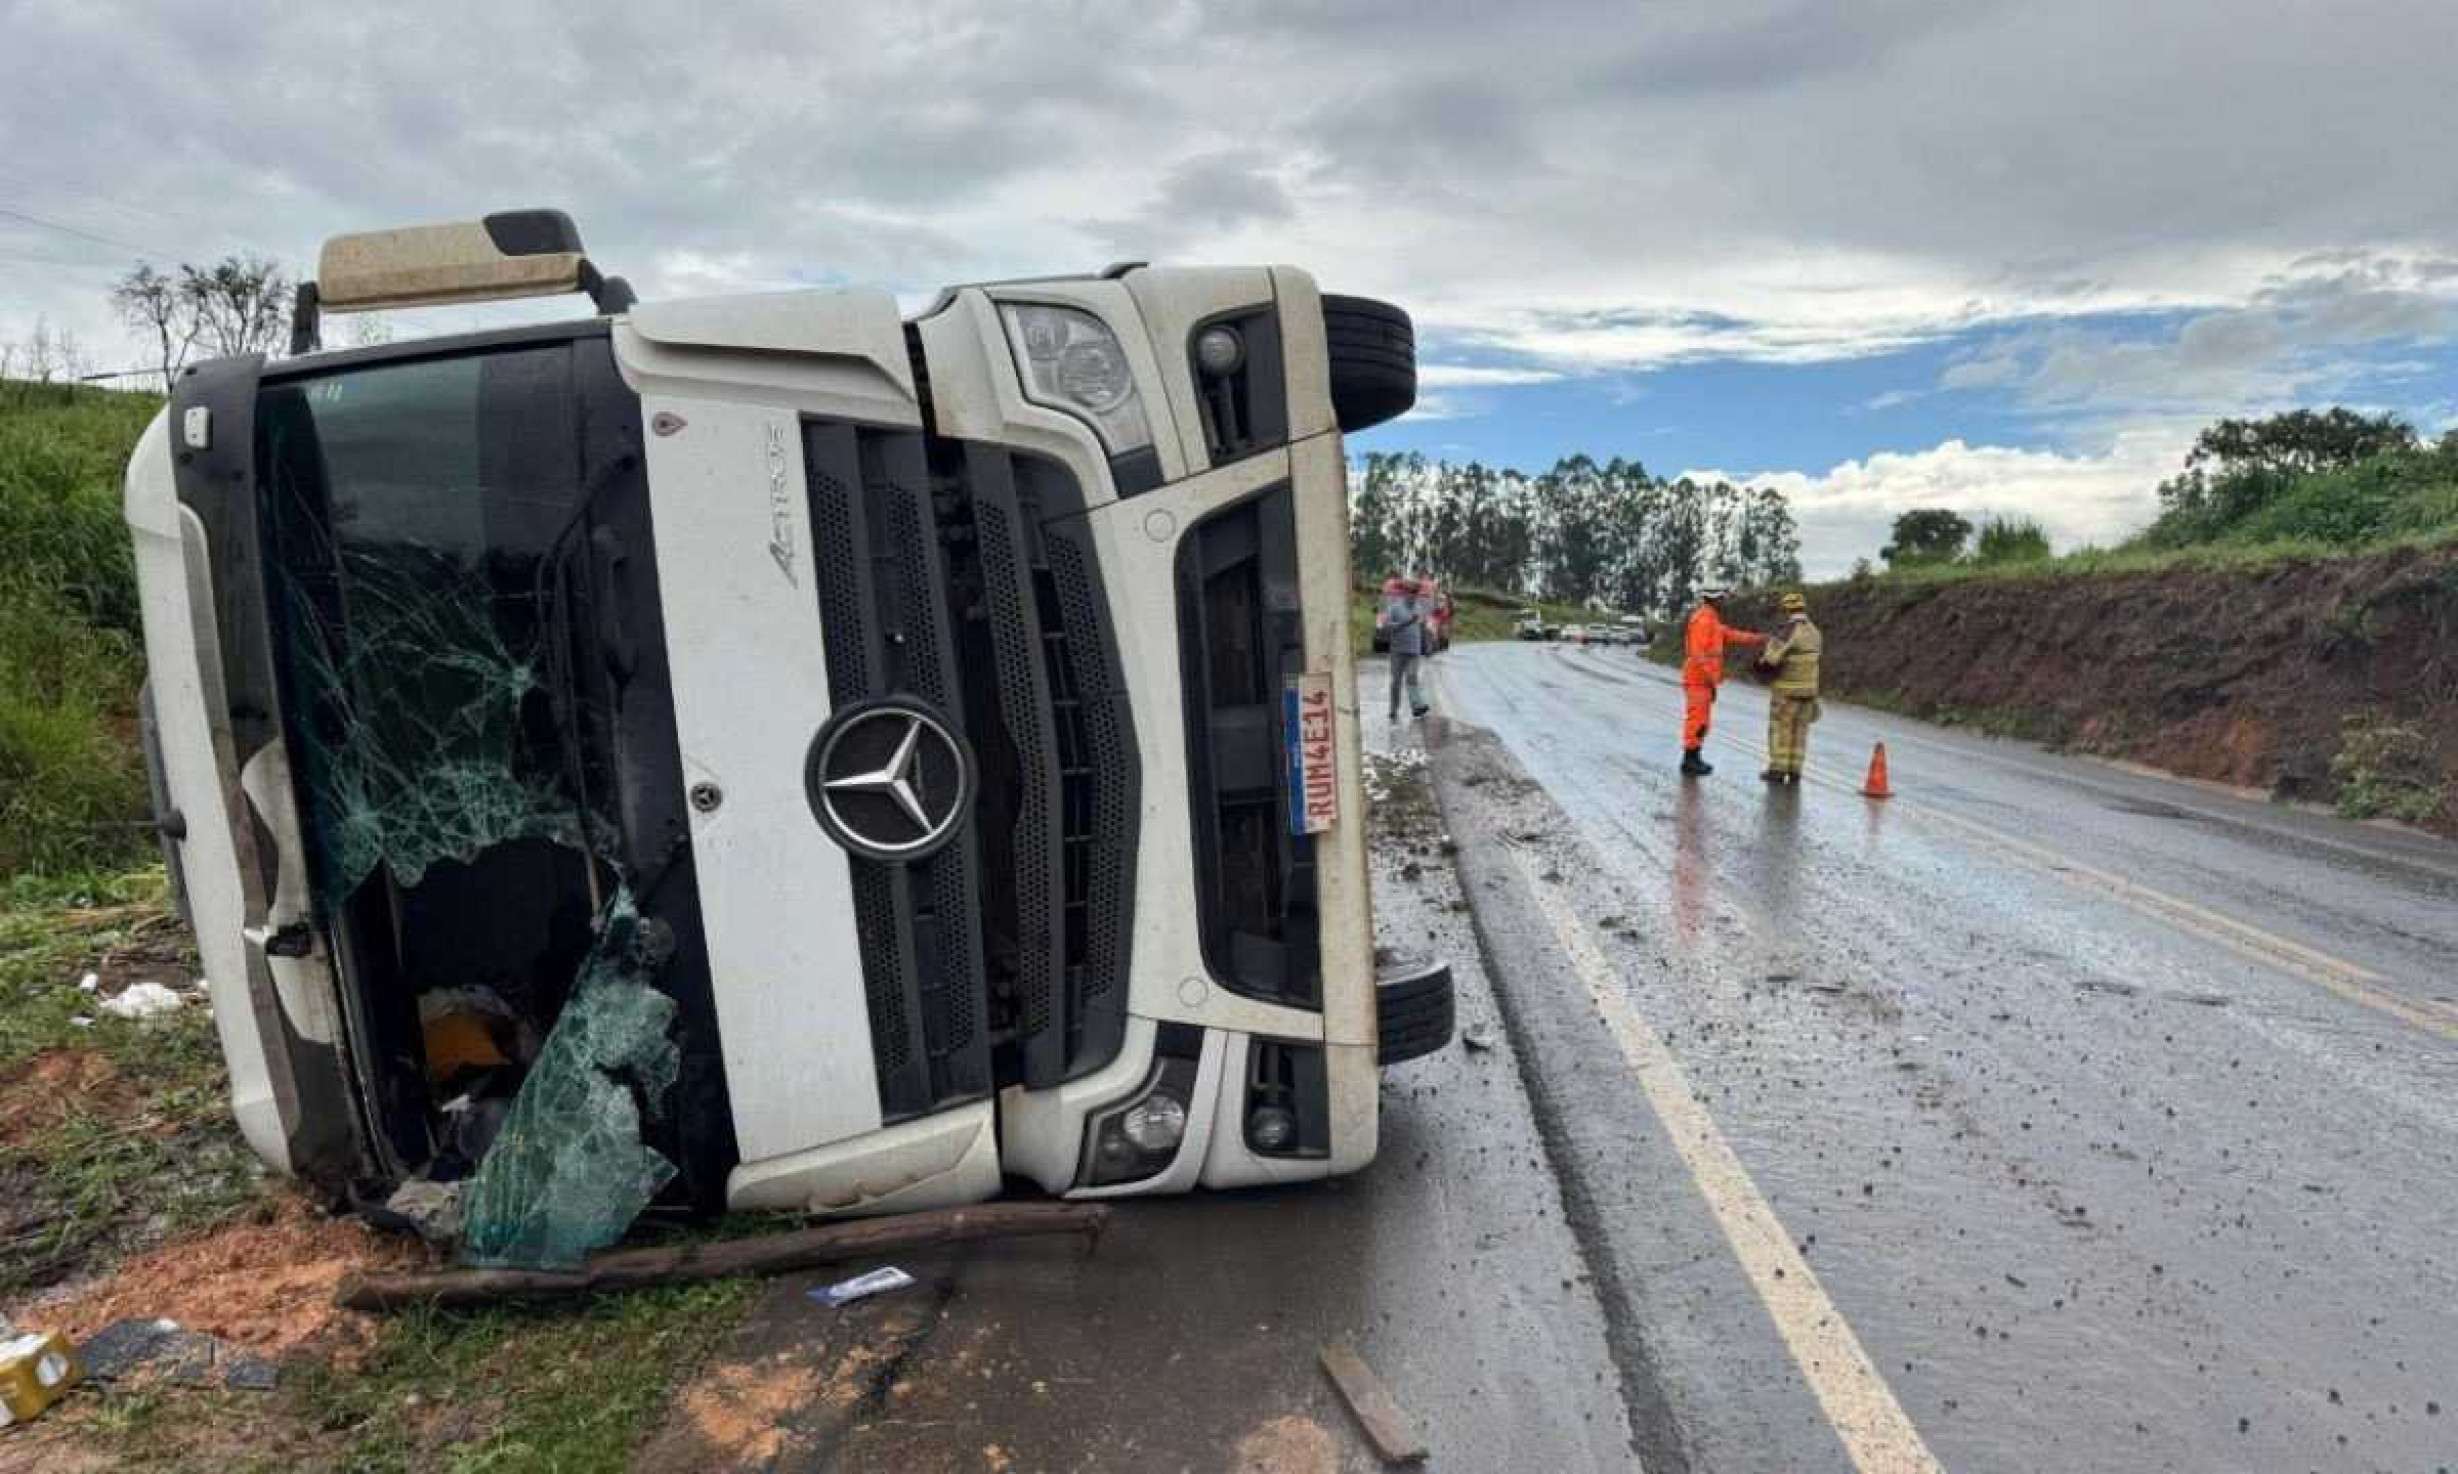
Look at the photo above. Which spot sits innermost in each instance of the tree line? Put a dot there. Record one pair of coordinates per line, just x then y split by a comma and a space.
1609, 535
239, 304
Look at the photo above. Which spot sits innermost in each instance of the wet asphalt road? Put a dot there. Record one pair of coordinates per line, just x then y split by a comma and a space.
2047, 1116
1188, 1341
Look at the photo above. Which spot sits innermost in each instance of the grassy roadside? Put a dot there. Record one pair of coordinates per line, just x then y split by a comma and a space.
560, 1390
114, 1134
71, 786
118, 1157
2216, 557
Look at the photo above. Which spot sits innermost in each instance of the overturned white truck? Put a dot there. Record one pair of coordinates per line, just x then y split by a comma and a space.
765, 753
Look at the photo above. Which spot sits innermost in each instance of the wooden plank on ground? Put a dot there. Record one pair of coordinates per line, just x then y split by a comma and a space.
708, 1259
1387, 1428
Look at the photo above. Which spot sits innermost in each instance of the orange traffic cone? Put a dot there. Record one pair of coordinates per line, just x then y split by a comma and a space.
1874, 786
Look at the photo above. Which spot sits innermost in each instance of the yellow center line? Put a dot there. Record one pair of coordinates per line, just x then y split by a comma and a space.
1858, 1403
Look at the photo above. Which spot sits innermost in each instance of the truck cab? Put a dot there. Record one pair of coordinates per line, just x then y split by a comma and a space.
933, 738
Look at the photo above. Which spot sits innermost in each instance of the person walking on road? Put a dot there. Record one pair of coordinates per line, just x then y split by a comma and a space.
1792, 698
1403, 621
1704, 641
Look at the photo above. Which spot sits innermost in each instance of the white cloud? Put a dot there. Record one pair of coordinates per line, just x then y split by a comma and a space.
2313, 329
1478, 376
1581, 187
1847, 511
1443, 407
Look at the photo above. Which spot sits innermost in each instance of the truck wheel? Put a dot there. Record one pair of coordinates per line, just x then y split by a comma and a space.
1413, 1010
1373, 350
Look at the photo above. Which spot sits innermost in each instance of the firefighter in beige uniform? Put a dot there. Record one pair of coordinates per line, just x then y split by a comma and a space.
1792, 697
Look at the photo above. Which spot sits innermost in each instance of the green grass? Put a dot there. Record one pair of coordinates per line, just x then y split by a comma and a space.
72, 787
560, 1389
563, 1388
2386, 769
2221, 557
154, 1155
2399, 500
552, 1388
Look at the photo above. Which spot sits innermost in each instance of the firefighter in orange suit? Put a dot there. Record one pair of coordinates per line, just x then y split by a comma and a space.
1702, 670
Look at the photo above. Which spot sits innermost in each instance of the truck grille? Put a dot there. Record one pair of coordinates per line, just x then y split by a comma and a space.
887, 629
1061, 723
1240, 641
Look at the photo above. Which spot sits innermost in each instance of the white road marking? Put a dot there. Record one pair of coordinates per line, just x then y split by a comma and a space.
1859, 1404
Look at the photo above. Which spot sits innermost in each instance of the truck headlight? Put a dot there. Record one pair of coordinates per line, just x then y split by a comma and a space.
1156, 1123
1139, 1137
1070, 360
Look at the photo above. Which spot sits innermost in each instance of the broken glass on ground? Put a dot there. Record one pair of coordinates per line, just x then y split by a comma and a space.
570, 1171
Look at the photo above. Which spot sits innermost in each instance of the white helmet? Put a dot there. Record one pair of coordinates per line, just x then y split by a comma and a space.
1713, 592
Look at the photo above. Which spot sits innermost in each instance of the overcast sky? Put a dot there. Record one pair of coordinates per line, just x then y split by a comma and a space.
1994, 256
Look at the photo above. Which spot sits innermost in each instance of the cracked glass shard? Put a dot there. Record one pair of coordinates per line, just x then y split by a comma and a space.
570, 1170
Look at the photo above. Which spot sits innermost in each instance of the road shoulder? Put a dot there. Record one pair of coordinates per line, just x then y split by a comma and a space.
1189, 1340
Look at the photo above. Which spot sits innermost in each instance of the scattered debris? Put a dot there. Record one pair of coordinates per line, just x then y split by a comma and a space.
264, 1286
143, 1001
861, 1287
1386, 1427
431, 1210
36, 1370
829, 1243
166, 1349
1291, 1444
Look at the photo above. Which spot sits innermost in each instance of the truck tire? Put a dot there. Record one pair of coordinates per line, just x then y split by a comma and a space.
1414, 1011
1373, 351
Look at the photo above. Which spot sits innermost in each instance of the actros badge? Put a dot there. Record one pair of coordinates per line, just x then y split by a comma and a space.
889, 779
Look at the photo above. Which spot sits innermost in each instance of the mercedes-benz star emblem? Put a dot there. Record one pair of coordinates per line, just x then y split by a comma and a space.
889, 779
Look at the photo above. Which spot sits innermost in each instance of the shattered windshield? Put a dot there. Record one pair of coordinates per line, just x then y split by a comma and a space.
416, 507
424, 519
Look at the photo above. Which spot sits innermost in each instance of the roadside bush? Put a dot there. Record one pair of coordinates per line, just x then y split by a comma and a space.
72, 787
2386, 770
2395, 493
2010, 540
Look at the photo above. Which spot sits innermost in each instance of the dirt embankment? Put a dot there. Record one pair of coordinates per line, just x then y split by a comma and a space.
2246, 676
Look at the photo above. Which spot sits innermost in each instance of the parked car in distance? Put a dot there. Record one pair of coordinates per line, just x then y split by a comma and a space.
1531, 626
